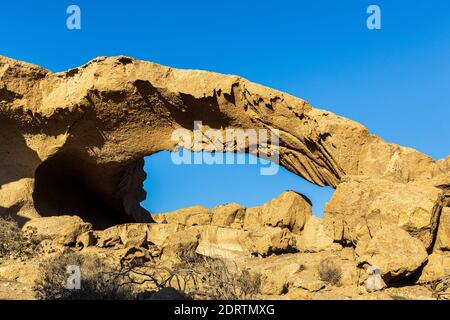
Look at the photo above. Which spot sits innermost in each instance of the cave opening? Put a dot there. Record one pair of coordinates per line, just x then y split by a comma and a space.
171, 186
62, 189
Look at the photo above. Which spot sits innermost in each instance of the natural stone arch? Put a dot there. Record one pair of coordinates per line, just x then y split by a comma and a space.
107, 115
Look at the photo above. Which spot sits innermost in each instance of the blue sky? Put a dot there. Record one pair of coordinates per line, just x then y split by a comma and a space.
395, 80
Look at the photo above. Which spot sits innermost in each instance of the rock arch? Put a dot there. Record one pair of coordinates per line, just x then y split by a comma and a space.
97, 122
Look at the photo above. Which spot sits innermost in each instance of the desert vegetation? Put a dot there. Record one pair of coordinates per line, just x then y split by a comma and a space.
330, 272
98, 280
196, 277
15, 243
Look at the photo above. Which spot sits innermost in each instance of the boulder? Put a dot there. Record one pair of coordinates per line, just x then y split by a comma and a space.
275, 278
16, 199
313, 238
443, 233
361, 206
63, 230
350, 271
182, 244
127, 235
268, 240
290, 210
307, 280
86, 239
437, 267
158, 233
191, 216
228, 215
223, 242
394, 251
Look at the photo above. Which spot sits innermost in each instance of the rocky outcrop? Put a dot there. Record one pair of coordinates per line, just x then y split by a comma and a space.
229, 215
361, 206
128, 235
313, 238
290, 210
283, 273
394, 251
230, 230
437, 267
216, 233
192, 216
73, 142
224, 242
181, 244
443, 232
63, 230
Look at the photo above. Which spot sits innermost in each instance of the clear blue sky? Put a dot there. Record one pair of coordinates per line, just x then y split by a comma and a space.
395, 81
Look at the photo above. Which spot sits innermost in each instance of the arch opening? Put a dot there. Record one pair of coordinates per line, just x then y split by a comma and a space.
172, 186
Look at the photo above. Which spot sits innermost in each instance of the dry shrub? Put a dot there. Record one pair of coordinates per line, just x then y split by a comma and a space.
221, 282
14, 242
98, 280
196, 277
330, 272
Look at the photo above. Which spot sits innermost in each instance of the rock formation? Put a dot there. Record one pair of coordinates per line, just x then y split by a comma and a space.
73, 143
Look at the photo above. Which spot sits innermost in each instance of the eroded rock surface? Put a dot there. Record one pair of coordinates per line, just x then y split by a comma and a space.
62, 229
394, 251
443, 233
83, 133
73, 143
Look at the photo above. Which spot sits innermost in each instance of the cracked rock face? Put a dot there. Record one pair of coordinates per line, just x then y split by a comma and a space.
73, 143
394, 251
